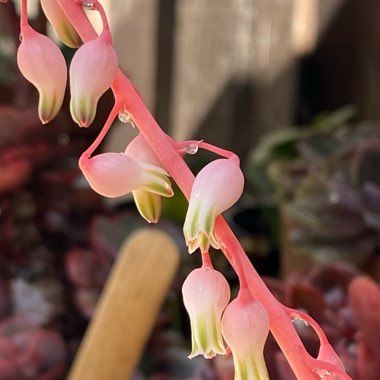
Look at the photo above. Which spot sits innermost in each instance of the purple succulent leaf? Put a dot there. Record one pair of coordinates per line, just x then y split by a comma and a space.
364, 298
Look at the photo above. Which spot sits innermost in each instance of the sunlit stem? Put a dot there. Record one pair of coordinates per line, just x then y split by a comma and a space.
24, 14
102, 13
183, 146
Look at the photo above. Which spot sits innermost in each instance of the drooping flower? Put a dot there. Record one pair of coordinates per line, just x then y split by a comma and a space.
206, 294
42, 63
61, 24
245, 327
148, 203
92, 71
216, 188
117, 174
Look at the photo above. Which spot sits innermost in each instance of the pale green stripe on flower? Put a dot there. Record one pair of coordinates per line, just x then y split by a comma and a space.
250, 369
202, 334
48, 107
199, 229
209, 222
83, 110
206, 337
148, 205
194, 224
158, 172
69, 36
156, 180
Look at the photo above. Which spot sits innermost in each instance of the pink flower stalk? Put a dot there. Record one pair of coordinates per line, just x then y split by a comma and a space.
61, 24
92, 71
116, 174
216, 188
147, 203
127, 96
206, 294
245, 328
42, 63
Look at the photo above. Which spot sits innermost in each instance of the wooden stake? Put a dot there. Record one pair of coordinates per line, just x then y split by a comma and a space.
127, 310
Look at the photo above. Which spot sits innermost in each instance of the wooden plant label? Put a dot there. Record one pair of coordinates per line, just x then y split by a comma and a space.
128, 307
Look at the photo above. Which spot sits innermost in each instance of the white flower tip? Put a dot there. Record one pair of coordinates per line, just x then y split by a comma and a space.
156, 180
203, 241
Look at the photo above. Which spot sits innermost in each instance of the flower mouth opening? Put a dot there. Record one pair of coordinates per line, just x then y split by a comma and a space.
203, 241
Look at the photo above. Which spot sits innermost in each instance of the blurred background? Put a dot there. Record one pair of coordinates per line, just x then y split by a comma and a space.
292, 87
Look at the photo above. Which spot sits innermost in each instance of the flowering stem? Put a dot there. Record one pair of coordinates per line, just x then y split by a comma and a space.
183, 146
24, 14
107, 125
103, 15
302, 363
217, 150
206, 260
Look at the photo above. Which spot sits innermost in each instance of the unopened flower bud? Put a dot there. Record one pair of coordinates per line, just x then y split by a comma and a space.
42, 63
61, 24
216, 188
116, 174
245, 328
147, 203
92, 71
206, 294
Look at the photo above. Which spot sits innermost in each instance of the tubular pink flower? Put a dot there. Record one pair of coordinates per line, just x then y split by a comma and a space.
206, 294
92, 71
139, 149
245, 328
61, 24
147, 203
116, 174
42, 63
216, 188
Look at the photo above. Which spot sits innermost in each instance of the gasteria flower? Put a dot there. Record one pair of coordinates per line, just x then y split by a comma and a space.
42, 63
92, 71
148, 203
216, 188
206, 294
245, 327
61, 23
116, 174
